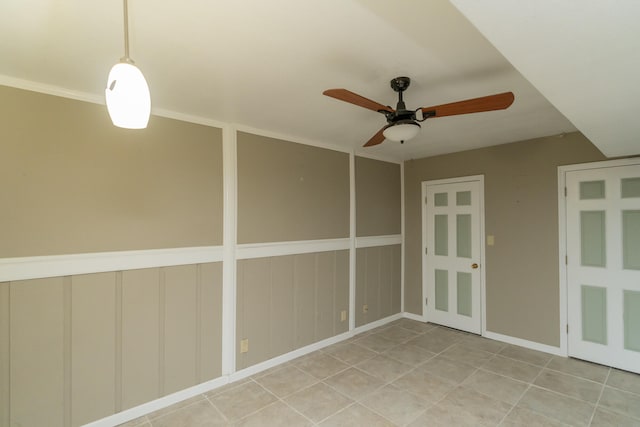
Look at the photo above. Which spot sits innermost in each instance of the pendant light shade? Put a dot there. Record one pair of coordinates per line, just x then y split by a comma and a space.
127, 92
401, 132
128, 98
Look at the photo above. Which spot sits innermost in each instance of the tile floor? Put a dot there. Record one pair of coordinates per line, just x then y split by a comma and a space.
409, 373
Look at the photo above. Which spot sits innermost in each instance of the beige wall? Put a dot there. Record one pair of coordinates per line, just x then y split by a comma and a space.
289, 191
74, 183
378, 283
378, 196
521, 211
288, 302
84, 347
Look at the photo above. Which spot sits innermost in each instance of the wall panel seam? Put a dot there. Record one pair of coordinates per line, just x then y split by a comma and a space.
5, 323
198, 314
118, 343
162, 289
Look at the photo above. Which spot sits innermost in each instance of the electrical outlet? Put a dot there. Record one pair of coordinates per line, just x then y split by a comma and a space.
491, 240
343, 315
244, 345
365, 308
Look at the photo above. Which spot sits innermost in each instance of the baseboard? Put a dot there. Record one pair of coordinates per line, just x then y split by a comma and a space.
412, 316
525, 343
163, 402
154, 405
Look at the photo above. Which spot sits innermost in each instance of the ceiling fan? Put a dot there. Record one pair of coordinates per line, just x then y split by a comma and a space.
404, 124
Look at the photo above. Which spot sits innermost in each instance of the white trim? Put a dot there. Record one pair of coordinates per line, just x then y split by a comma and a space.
412, 316
279, 360
402, 238
99, 99
601, 164
230, 206
367, 154
261, 250
373, 241
157, 404
423, 256
352, 241
376, 323
562, 270
524, 343
66, 265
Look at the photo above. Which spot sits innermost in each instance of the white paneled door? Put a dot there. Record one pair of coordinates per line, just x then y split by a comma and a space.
603, 265
452, 252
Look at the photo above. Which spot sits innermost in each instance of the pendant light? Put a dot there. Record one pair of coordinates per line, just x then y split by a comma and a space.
127, 92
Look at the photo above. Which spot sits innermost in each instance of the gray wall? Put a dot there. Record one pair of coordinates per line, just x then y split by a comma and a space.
289, 191
78, 184
521, 211
378, 197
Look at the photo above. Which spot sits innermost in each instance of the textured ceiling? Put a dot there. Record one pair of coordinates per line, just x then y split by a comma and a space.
263, 65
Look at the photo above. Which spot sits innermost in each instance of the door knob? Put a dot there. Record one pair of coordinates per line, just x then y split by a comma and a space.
474, 265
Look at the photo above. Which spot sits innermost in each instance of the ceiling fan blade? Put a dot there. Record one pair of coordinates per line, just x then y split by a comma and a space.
475, 105
377, 138
354, 98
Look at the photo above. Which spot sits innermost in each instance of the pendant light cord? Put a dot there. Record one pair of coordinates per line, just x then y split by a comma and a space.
126, 32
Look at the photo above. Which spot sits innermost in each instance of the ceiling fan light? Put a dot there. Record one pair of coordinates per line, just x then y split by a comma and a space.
401, 132
127, 96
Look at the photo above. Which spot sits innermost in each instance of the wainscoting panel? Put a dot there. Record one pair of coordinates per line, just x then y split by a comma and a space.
288, 302
378, 278
74, 349
36, 353
93, 332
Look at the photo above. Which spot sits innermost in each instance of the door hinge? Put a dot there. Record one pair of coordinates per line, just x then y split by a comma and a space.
567, 328
425, 199
566, 259
426, 301
426, 251
565, 191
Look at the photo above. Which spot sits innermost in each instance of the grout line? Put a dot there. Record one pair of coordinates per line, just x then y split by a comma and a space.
595, 407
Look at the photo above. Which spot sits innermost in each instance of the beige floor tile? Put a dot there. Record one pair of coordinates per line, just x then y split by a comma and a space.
409, 354
240, 401
227, 387
164, 411
557, 406
286, 381
354, 383
437, 416
384, 368
487, 409
526, 355
376, 343
434, 343
604, 418
502, 388
199, 414
398, 406
138, 422
276, 414
467, 355
519, 417
621, 402
350, 353
321, 365
415, 326
579, 368
484, 344
512, 368
624, 380
569, 385
448, 369
356, 415
318, 402
398, 334
425, 385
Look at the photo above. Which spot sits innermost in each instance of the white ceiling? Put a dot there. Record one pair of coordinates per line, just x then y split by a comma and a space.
263, 65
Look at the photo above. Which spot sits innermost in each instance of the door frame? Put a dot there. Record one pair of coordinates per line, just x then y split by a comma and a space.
423, 256
562, 237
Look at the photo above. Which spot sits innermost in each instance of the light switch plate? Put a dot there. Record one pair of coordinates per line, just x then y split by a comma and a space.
244, 345
491, 240
343, 315
365, 308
